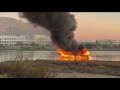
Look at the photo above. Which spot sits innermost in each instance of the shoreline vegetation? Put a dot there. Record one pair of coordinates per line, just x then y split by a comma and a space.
31, 49
104, 49
56, 49
50, 47
51, 68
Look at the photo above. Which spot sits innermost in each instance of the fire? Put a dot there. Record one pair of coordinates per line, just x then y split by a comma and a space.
69, 56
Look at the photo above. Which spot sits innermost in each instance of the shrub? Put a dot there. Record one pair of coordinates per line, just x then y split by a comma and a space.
25, 69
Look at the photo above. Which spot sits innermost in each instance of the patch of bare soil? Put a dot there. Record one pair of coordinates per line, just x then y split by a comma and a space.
92, 67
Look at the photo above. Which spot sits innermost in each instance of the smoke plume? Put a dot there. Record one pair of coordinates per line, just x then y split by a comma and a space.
60, 24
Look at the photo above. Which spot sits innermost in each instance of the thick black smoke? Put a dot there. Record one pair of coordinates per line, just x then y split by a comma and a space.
60, 24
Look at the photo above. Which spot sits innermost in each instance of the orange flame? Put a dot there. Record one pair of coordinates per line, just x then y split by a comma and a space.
84, 55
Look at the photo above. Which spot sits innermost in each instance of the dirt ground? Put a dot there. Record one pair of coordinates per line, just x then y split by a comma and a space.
72, 69
84, 75
92, 69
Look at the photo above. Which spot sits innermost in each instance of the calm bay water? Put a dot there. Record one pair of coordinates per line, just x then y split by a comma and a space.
106, 55
10, 55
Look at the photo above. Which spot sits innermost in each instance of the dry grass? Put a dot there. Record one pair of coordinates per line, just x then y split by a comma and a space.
94, 67
4, 76
49, 69
24, 69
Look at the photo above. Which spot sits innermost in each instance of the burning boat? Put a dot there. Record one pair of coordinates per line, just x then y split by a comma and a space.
84, 55
61, 26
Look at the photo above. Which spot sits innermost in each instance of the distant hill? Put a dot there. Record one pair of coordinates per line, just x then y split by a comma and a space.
10, 26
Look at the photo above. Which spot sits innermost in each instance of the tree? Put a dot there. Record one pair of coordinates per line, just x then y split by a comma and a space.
105, 46
33, 44
115, 46
2, 46
19, 43
89, 46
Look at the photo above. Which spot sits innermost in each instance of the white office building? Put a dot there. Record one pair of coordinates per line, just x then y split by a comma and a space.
42, 39
14, 39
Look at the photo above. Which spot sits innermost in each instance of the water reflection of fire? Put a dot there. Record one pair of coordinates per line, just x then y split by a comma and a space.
84, 55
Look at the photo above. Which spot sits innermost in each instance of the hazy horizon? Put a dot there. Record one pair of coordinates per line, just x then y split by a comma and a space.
90, 25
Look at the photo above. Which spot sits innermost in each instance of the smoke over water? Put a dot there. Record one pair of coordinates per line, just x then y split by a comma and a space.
61, 26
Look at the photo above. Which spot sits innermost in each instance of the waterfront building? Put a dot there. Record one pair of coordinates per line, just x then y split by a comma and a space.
12, 40
42, 39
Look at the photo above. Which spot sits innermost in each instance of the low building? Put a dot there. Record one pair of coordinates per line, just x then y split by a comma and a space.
106, 42
42, 39
87, 42
116, 42
12, 40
